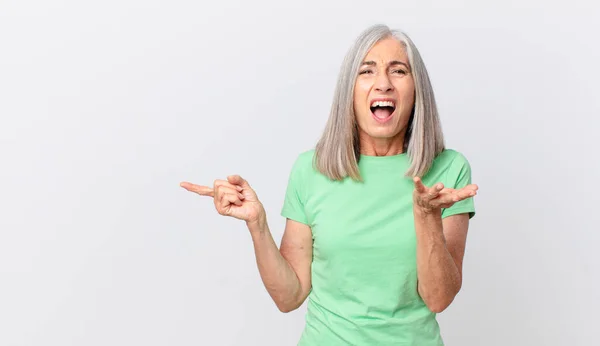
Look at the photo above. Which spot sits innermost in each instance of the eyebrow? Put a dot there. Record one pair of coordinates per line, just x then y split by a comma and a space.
392, 63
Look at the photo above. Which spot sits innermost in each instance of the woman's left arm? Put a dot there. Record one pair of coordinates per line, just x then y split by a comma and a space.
440, 243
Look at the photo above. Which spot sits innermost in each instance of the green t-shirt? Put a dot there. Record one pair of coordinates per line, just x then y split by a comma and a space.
364, 269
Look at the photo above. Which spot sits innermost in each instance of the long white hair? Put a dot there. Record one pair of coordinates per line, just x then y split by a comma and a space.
337, 151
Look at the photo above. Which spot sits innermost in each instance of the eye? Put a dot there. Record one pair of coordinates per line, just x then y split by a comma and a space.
366, 72
402, 72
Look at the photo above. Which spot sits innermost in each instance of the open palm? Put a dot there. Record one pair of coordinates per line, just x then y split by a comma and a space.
438, 196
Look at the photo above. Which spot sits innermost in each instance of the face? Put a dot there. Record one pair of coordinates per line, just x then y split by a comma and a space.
384, 93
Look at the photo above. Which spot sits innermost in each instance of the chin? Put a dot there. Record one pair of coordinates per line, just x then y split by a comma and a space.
381, 133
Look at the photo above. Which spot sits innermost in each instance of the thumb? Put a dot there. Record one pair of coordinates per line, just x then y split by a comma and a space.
419, 185
237, 180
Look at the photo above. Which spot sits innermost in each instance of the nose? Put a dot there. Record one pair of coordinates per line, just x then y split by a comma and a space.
383, 83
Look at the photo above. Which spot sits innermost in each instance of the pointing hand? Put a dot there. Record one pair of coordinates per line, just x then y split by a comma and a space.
232, 197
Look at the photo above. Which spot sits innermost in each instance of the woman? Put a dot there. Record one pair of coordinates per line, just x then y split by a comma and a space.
377, 214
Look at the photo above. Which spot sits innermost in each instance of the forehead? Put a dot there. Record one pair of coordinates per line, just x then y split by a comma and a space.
386, 50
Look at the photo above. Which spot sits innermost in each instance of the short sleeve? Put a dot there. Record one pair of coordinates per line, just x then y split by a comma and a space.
459, 176
293, 204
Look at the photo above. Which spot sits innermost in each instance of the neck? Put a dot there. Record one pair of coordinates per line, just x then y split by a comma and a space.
371, 146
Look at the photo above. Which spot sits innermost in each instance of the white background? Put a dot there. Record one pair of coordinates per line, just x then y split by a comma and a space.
106, 106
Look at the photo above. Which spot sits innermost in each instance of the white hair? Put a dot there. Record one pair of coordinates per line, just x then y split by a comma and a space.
337, 152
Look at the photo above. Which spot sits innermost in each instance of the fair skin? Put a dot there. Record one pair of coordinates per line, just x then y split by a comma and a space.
285, 271
385, 75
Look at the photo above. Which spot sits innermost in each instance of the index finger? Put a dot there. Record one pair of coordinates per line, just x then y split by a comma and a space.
199, 189
465, 192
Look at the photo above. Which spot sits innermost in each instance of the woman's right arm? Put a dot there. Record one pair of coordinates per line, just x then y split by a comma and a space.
285, 272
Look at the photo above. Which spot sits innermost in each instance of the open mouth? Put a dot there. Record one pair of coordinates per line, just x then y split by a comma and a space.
383, 110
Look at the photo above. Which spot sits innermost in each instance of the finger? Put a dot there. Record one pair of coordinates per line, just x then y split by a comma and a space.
435, 190
218, 183
466, 193
199, 189
445, 196
419, 185
473, 187
237, 180
221, 190
230, 198
453, 196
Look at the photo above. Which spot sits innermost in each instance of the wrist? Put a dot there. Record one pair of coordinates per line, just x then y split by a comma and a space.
259, 224
424, 212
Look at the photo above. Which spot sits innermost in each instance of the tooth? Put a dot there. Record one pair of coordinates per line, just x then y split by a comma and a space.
382, 104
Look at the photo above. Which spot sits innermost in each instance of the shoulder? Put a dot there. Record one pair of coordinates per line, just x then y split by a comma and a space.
303, 164
304, 160
301, 173
448, 165
454, 171
450, 157
451, 160
306, 157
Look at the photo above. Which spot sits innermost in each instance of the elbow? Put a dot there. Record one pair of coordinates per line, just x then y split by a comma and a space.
285, 308
287, 304
439, 306
440, 302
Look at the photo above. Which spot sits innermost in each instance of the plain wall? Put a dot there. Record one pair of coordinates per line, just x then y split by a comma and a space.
106, 106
